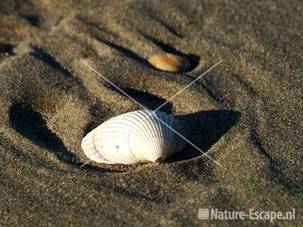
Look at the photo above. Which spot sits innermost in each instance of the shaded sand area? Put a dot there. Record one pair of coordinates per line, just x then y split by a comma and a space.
246, 114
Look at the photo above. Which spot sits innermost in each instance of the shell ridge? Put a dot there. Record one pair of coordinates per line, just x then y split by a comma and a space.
156, 133
139, 117
130, 147
134, 137
90, 149
96, 151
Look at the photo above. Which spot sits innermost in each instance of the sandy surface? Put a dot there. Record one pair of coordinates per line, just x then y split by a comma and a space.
246, 114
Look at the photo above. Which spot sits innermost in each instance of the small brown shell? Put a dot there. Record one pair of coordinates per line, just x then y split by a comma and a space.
169, 62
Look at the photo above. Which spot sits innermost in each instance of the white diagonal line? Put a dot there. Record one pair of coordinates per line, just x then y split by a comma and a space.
115, 86
184, 138
135, 101
179, 92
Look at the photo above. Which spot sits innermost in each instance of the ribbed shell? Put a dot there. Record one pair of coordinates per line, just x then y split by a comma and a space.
134, 137
169, 62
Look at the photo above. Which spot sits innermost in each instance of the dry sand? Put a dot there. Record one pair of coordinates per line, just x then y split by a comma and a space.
246, 114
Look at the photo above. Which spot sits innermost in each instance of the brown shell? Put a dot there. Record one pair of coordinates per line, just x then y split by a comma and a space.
169, 62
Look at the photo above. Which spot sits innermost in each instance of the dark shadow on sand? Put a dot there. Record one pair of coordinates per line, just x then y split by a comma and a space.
204, 129
7, 49
34, 20
32, 126
128, 53
46, 58
147, 99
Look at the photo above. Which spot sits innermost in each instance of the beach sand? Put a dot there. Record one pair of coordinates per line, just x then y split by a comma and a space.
246, 114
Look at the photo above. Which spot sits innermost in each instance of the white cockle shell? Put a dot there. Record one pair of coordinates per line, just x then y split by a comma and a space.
134, 137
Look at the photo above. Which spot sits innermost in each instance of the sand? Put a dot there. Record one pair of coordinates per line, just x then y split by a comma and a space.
246, 114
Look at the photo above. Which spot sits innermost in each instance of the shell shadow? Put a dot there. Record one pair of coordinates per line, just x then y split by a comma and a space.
32, 126
34, 20
147, 99
204, 129
7, 49
128, 53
